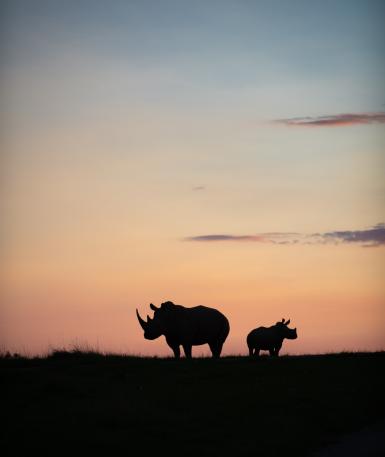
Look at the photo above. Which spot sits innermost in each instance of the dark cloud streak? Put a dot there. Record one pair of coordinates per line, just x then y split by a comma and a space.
338, 120
372, 237
197, 188
255, 238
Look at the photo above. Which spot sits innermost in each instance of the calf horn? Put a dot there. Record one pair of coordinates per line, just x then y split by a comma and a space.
142, 322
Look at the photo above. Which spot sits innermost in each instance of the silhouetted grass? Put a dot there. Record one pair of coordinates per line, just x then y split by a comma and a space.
75, 402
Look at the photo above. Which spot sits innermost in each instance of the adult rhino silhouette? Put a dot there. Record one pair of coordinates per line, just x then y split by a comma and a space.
186, 327
270, 338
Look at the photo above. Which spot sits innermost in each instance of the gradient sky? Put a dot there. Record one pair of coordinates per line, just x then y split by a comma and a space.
225, 153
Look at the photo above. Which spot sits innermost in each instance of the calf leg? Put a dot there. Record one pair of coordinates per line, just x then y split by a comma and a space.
277, 349
254, 352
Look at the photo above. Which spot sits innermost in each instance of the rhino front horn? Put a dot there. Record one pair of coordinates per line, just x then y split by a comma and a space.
142, 322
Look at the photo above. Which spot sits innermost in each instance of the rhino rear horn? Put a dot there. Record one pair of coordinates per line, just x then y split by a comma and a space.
153, 307
142, 322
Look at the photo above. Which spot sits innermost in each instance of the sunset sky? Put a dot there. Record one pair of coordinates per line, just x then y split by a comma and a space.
219, 153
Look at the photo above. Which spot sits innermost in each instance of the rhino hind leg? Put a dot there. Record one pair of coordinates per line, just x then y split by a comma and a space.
216, 349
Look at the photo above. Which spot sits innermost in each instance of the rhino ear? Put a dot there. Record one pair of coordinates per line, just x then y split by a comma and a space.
153, 307
283, 321
287, 322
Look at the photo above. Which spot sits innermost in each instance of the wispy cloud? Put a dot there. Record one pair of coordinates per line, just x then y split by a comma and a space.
337, 120
197, 188
258, 238
371, 237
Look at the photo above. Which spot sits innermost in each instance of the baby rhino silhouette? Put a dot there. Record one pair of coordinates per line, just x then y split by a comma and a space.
270, 338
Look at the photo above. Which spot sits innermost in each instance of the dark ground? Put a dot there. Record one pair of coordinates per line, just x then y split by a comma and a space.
75, 404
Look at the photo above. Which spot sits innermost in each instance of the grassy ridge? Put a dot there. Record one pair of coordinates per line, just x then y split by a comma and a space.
112, 405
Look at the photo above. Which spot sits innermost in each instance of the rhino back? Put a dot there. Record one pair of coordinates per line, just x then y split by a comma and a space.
263, 338
200, 325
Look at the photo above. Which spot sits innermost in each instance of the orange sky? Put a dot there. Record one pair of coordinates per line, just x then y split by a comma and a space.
333, 295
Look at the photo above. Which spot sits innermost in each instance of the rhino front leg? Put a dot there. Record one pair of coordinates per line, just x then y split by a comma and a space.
187, 350
176, 350
174, 346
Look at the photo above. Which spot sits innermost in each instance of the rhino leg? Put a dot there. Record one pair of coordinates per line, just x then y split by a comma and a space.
216, 349
187, 351
174, 346
176, 350
256, 352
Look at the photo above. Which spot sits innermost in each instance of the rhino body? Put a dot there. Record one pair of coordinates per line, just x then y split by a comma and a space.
187, 327
270, 338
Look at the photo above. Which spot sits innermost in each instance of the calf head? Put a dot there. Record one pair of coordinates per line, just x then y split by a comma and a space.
285, 331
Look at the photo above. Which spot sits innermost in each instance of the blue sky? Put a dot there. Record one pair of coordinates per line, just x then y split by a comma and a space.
330, 53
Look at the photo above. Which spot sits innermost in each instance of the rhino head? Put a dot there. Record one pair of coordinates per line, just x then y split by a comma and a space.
285, 331
156, 326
